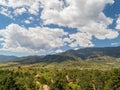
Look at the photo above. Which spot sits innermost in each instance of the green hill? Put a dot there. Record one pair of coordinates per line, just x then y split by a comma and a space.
83, 69
107, 57
73, 55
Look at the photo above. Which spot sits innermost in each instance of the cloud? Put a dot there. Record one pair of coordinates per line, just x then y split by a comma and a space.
100, 31
85, 16
37, 39
19, 11
81, 39
27, 21
5, 12
82, 12
59, 51
21, 6
115, 44
16, 3
118, 23
31, 18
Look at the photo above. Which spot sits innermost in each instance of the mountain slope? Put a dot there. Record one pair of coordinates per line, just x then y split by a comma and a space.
4, 58
81, 54
94, 52
48, 58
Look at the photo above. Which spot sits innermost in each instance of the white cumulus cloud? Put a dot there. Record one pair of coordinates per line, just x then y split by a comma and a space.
19, 11
81, 39
85, 16
37, 39
118, 23
20, 6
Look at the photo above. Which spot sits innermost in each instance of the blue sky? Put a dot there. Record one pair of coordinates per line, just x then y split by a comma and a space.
42, 27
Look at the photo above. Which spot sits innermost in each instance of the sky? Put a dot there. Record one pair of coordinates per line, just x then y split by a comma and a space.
40, 27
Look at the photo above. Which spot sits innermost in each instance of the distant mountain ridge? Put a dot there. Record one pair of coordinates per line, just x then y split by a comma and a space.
4, 58
80, 54
94, 52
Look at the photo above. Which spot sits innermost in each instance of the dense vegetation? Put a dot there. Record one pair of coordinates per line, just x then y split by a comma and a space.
84, 69
59, 79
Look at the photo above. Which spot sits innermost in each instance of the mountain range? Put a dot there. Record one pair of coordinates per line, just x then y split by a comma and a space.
80, 54
4, 58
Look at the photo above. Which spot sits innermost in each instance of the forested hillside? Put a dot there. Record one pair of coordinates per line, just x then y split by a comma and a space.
63, 79
83, 69
73, 55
